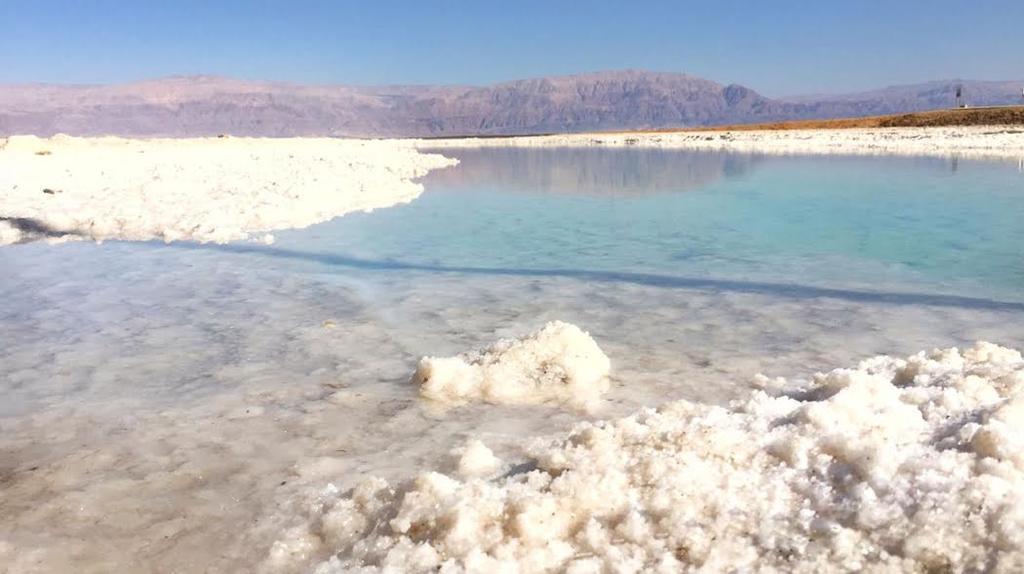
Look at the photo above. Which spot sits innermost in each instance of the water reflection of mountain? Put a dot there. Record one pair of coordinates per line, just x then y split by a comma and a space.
589, 171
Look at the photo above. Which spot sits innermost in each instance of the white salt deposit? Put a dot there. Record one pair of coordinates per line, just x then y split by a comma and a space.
202, 189
895, 466
560, 363
961, 141
475, 459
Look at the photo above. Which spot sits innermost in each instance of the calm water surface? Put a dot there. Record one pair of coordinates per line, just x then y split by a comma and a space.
936, 225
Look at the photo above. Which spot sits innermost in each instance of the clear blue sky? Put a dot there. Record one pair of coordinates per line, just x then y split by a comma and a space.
776, 47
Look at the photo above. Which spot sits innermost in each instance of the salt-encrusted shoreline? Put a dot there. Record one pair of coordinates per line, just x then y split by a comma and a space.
227, 189
897, 465
973, 141
201, 189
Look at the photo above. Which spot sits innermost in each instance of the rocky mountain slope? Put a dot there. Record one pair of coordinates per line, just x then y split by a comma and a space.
209, 105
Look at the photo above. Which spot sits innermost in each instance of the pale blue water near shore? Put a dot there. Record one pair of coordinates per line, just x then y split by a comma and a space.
932, 224
229, 379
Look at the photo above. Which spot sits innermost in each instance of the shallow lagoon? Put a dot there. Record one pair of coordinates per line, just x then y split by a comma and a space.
170, 406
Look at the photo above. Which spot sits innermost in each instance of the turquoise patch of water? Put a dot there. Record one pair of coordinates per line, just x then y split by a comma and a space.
930, 225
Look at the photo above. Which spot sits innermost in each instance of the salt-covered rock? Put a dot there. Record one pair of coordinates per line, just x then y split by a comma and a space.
475, 459
560, 362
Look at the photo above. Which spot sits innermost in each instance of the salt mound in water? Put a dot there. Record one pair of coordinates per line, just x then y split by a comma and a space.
912, 465
560, 362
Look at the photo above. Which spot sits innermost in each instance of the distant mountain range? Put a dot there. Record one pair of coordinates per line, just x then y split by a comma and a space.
210, 105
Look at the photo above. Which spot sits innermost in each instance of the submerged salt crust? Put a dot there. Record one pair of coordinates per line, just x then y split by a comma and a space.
560, 362
897, 465
201, 189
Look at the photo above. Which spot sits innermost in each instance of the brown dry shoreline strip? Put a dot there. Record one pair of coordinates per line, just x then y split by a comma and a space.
996, 116
1000, 116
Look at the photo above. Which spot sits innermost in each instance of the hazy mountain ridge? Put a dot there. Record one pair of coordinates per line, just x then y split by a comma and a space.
630, 99
916, 97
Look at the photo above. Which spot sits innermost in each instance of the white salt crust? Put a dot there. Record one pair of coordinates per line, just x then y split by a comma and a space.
1005, 142
201, 189
475, 459
897, 465
558, 363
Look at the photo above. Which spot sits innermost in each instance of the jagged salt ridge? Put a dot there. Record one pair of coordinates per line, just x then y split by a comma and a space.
200, 189
968, 141
897, 465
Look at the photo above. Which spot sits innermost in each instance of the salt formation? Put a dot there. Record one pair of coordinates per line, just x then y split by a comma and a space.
912, 465
559, 363
201, 189
475, 459
1003, 142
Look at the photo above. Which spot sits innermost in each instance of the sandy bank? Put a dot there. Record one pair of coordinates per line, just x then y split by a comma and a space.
982, 142
203, 189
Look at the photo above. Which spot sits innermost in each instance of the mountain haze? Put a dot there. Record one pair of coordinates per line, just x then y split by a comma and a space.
631, 99
914, 98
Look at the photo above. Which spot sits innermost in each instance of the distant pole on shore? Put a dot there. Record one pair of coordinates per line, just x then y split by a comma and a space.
960, 97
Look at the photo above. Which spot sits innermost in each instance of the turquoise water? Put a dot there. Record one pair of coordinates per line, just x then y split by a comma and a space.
928, 225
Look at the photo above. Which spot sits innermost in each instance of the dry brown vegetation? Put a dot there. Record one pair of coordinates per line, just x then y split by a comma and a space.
995, 116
